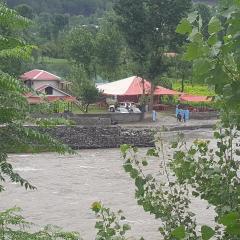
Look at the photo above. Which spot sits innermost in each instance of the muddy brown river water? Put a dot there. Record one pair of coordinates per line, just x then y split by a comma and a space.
67, 185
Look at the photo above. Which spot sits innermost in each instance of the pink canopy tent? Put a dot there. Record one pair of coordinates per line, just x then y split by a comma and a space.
191, 98
164, 91
133, 86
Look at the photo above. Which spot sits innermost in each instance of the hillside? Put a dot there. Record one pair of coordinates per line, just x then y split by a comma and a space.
72, 7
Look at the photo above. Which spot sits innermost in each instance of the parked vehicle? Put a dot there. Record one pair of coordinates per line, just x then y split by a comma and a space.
129, 106
121, 110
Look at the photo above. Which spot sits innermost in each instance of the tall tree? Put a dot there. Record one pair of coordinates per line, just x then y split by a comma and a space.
83, 88
25, 11
132, 22
206, 14
80, 48
149, 29
60, 21
109, 48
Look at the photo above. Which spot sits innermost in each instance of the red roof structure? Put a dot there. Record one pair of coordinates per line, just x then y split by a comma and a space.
39, 99
164, 91
33, 98
37, 74
191, 98
133, 86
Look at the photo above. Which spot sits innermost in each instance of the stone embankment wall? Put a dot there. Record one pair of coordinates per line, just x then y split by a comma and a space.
97, 119
204, 115
83, 137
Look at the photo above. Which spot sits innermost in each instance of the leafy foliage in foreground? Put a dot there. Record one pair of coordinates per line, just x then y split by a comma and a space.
211, 173
13, 49
13, 105
13, 227
216, 59
110, 226
13, 112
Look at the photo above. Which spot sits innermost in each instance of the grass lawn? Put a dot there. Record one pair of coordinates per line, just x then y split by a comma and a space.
60, 67
92, 109
195, 89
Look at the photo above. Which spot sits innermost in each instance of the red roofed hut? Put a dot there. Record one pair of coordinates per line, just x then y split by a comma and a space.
46, 86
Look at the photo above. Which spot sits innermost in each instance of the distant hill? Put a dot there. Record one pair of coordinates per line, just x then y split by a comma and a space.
73, 7
211, 2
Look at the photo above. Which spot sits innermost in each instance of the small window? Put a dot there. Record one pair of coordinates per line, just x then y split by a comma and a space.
28, 83
49, 91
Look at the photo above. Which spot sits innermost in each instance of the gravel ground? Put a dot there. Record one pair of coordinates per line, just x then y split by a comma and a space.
67, 185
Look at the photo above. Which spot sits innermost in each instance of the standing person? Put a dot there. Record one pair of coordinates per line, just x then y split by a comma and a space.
184, 116
154, 116
179, 117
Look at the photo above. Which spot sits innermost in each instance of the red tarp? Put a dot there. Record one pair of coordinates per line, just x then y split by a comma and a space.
164, 91
191, 98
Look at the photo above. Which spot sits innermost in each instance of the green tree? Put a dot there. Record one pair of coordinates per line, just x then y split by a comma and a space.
109, 48
45, 25
80, 48
216, 59
84, 88
25, 11
60, 21
149, 30
13, 49
206, 14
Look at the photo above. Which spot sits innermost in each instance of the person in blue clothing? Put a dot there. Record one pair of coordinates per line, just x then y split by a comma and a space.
178, 113
179, 117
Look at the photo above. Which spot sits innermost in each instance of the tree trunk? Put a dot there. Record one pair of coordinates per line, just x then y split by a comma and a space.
182, 85
86, 108
151, 98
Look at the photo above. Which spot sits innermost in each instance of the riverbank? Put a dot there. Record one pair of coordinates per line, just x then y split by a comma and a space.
140, 134
67, 185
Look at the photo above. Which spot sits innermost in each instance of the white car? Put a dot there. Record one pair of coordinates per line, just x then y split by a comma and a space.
121, 110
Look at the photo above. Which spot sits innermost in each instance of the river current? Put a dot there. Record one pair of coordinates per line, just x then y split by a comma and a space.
67, 185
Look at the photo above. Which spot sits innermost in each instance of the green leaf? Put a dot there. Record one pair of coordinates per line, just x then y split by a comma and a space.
127, 167
126, 227
196, 36
124, 148
207, 232
144, 163
192, 17
229, 219
134, 173
201, 66
212, 40
234, 229
214, 25
179, 232
184, 27
99, 225
195, 50
152, 152
96, 207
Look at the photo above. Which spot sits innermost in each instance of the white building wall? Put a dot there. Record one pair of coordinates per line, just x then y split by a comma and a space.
39, 83
57, 93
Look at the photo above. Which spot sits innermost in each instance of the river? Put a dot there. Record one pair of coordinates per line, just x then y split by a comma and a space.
68, 184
